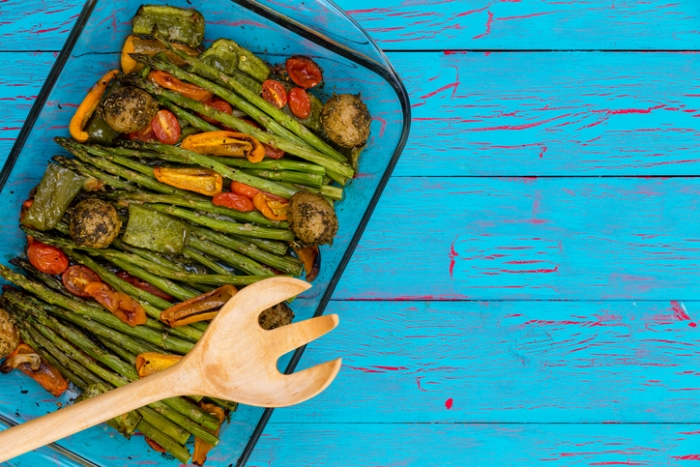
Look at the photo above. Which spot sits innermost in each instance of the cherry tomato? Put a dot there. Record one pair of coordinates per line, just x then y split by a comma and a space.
274, 93
77, 277
233, 201
299, 103
143, 285
122, 306
166, 127
46, 258
304, 71
218, 104
145, 134
244, 190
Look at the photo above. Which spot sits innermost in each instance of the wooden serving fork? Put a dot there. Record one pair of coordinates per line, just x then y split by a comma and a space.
234, 360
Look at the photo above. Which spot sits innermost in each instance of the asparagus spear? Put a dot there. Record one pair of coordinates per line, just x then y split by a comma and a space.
201, 258
233, 258
275, 164
97, 314
89, 171
289, 177
225, 226
230, 121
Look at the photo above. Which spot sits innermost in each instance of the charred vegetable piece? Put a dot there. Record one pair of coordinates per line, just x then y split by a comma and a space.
272, 208
201, 308
199, 180
9, 337
151, 362
129, 109
227, 144
124, 424
94, 223
312, 219
227, 56
346, 120
56, 191
122, 306
177, 24
99, 131
154, 231
77, 277
168, 81
304, 71
201, 447
166, 127
88, 106
143, 285
31, 364
150, 47
276, 316
310, 257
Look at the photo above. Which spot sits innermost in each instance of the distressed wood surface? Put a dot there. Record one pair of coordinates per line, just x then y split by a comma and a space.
441, 25
478, 114
489, 319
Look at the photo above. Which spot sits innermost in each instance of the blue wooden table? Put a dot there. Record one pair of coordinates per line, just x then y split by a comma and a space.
527, 291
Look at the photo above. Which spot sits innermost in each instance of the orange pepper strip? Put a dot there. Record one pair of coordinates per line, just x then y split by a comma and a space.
311, 259
226, 144
201, 308
150, 47
88, 106
202, 448
168, 81
204, 181
46, 375
148, 363
122, 306
271, 208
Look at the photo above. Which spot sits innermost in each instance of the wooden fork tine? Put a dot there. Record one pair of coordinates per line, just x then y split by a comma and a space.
292, 336
307, 383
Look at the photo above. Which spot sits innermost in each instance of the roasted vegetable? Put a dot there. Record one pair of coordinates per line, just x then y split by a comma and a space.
310, 257
276, 316
201, 308
346, 120
312, 219
227, 144
151, 47
30, 363
99, 131
94, 223
151, 362
201, 447
46, 258
177, 24
9, 337
304, 71
129, 109
204, 181
125, 424
56, 191
272, 208
121, 305
154, 231
227, 56
88, 106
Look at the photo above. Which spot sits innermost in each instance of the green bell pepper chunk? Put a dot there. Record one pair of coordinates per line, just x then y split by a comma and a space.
154, 231
56, 191
177, 24
227, 56
100, 132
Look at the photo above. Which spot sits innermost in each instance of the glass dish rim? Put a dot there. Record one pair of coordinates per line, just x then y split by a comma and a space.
384, 70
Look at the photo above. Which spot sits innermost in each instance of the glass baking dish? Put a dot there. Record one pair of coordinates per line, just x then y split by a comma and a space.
275, 29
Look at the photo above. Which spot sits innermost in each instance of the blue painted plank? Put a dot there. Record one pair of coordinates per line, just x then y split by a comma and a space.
480, 24
528, 238
389, 445
512, 361
510, 113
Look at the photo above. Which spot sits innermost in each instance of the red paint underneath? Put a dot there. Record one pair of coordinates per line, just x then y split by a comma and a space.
448, 403
678, 312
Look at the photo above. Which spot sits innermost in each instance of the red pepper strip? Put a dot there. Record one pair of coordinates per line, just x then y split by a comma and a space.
24, 358
271, 208
151, 362
311, 259
168, 81
122, 306
202, 448
201, 308
204, 181
88, 107
226, 144
153, 445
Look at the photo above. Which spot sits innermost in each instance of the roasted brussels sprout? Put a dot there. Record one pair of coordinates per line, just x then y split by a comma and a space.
94, 223
312, 218
129, 109
346, 120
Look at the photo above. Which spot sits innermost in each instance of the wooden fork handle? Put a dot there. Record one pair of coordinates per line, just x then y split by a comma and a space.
77, 417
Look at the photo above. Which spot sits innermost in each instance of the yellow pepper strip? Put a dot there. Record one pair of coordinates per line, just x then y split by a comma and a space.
204, 181
88, 106
202, 448
201, 308
151, 47
226, 144
273, 209
151, 362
